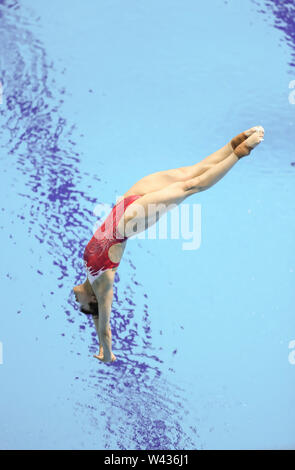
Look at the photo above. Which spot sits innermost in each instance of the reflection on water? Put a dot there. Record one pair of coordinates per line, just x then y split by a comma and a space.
282, 15
140, 408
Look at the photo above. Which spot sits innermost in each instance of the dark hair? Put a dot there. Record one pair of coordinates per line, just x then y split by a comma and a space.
93, 309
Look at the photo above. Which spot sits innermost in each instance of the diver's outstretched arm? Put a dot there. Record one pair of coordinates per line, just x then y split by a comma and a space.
95, 321
104, 329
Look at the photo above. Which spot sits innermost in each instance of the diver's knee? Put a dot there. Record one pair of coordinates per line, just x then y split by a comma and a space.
194, 185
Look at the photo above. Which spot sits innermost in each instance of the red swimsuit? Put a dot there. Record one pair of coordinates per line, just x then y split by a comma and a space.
96, 258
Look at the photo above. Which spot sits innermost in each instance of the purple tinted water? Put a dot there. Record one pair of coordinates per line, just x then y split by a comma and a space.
66, 399
137, 406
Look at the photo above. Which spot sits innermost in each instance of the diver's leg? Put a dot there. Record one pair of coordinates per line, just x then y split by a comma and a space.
160, 179
146, 210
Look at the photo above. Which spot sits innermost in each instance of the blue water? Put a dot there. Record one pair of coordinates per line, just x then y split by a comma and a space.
95, 96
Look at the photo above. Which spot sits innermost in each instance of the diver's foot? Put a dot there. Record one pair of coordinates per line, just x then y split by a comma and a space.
236, 141
248, 144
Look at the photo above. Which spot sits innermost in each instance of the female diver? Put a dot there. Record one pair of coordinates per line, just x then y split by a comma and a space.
165, 188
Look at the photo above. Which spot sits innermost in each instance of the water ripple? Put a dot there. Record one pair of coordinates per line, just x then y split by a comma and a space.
141, 409
282, 15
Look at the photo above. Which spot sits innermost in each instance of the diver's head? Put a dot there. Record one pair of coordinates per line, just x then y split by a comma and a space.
86, 298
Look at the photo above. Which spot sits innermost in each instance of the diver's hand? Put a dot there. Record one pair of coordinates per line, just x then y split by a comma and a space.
105, 359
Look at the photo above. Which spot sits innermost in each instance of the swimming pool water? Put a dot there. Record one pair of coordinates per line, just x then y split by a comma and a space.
94, 96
